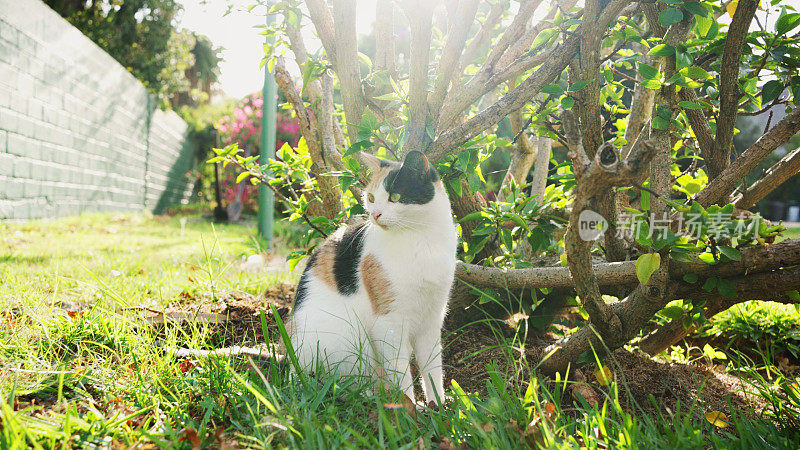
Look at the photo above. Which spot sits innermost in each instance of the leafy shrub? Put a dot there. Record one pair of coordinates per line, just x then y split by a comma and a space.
770, 326
243, 127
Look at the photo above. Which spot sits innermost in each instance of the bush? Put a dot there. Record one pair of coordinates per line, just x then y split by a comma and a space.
243, 127
772, 327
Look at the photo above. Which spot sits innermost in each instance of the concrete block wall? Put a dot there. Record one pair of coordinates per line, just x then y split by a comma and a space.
77, 131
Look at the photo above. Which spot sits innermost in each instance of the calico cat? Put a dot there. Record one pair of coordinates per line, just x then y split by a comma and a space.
376, 292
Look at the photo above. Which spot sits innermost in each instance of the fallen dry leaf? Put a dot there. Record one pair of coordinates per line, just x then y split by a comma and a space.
585, 392
603, 375
717, 418
409, 406
186, 365
191, 435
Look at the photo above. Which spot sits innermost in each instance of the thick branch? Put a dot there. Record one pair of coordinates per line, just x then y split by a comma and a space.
719, 188
699, 123
323, 22
729, 87
448, 62
475, 44
347, 67
322, 159
522, 156
754, 259
541, 167
579, 261
770, 286
419, 14
781, 171
513, 100
384, 37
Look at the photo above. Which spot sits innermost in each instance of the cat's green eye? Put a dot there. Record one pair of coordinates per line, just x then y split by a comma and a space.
394, 197
371, 197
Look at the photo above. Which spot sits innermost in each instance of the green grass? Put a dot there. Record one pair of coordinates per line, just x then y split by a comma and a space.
77, 367
792, 233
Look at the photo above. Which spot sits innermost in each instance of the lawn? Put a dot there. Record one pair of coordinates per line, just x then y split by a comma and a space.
93, 309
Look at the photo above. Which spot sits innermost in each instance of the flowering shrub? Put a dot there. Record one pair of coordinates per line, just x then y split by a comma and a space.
243, 127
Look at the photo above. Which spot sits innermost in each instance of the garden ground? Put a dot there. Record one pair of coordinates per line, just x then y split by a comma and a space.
95, 307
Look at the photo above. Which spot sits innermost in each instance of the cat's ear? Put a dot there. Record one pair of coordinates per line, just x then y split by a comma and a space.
373, 163
418, 163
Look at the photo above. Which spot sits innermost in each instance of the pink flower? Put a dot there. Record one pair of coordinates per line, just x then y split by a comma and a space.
248, 110
258, 103
259, 114
239, 114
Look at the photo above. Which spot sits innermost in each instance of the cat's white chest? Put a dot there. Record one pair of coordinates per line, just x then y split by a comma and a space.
423, 265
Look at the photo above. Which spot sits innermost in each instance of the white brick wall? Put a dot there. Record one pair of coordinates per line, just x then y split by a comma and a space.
77, 131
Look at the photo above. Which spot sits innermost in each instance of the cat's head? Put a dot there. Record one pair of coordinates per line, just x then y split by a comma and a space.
403, 196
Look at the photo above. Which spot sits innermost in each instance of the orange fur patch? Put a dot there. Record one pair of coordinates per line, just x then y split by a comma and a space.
377, 284
323, 265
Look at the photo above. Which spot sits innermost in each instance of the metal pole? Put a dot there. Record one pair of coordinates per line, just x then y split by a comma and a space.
266, 198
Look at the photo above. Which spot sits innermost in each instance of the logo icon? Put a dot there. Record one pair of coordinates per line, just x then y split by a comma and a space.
591, 225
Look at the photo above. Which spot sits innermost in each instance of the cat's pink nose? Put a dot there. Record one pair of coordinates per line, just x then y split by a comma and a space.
376, 216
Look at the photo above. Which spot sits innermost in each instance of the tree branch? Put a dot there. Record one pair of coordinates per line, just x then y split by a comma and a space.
754, 260
729, 87
347, 67
759, 286
699, 123
522, 157
384, 37
448, 61
720, 187
781, 171
419, 14
513, 100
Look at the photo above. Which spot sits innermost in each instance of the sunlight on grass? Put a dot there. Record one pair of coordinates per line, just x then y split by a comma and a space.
78, 365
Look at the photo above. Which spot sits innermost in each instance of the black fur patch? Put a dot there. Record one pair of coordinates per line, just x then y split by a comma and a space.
348, 255
413, 180
302, 286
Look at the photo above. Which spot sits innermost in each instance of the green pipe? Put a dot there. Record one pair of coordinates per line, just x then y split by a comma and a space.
266, 198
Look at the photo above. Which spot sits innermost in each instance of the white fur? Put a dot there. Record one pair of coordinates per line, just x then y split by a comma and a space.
416, 245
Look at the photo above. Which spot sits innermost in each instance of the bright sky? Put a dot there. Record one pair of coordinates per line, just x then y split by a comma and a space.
240, 74
243, 46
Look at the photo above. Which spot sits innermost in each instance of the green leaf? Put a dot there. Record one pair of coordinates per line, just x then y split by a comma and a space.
698, 73
726, 288
567, 102
662, 50
707, 258
794, 295
670, 16
648, 72
645, 200
643, 235
645, 266
730, 252
689, 105
702, 26
787, 23
579, 85
477, 215
710, 284
673, 312
242, 176
553, 89
690, 278
357, 147
772, 89
696, 8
